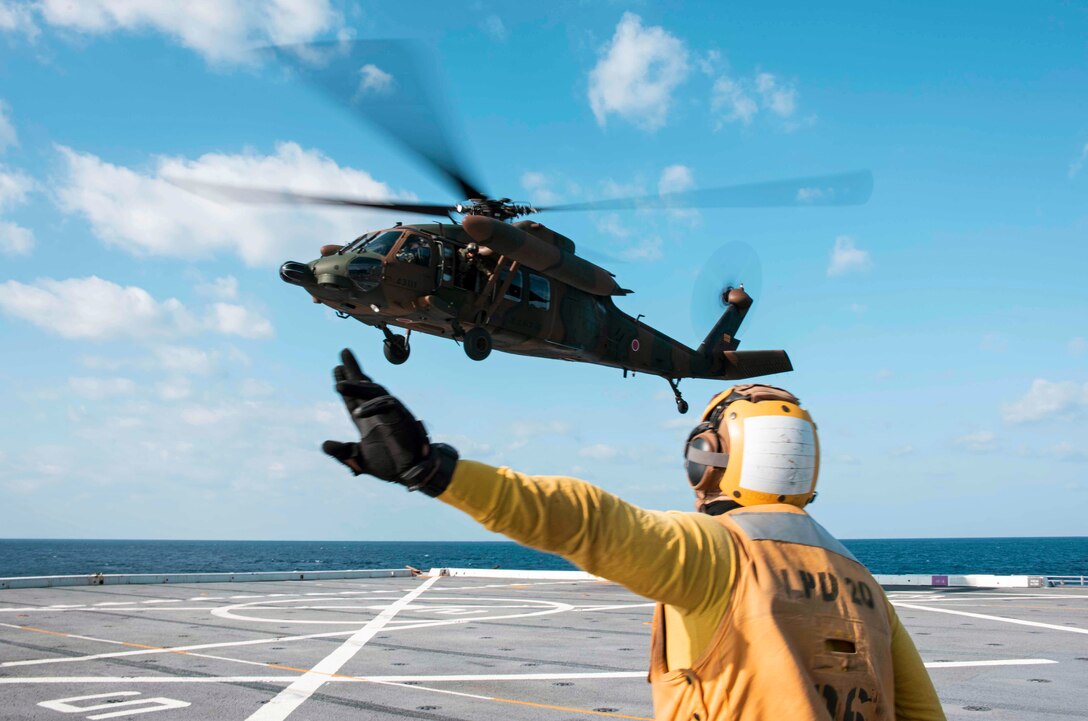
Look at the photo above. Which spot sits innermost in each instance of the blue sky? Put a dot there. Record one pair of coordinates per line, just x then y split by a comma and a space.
161, 382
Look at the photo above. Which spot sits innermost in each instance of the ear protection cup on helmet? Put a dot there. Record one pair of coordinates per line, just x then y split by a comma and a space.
701, 444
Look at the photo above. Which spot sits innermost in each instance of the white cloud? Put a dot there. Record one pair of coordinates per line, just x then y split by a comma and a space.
14, 187
644, 248
708, 63
846, 257
220, 30
1078, 163
17, 17
175, 389
225, 288
778, 97
185, 360
599, 452
15, 239
647, 248
146, 215
93, 308
373, 79
101, 388
8, 136
1047, 399
539, 186
1077, 346
741, 99
675, 179
202, 415
610, 224
231, 319
977, 442
902, 451
637, 74
729, 96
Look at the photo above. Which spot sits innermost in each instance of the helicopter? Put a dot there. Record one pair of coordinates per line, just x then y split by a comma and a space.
489, 279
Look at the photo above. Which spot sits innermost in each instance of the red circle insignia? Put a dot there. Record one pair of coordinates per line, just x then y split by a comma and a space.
634, 345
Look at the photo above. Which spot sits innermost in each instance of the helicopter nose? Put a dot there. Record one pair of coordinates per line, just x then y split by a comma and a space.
296, 273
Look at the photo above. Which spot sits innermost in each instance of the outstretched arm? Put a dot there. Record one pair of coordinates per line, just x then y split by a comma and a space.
682, 559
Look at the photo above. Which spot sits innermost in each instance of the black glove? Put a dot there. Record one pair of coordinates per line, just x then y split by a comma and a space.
393, 445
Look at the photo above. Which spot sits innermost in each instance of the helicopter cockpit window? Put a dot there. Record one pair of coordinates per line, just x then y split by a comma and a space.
540, 292
359, 242
416, 250
514, 291
382, 243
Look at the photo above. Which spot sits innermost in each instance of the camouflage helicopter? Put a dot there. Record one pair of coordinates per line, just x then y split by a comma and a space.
487, 279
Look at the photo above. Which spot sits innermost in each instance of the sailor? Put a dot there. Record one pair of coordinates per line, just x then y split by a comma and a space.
761, 613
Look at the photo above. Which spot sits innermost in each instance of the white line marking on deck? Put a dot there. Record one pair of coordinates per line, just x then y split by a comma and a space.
399, 680
147, 679
171, 649
1053, 627
301, 689
617, 606
998, 662
112, 608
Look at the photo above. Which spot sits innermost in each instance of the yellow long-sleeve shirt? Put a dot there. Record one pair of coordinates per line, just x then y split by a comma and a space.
683, 560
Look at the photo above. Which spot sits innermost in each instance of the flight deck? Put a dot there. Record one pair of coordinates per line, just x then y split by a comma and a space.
466, 648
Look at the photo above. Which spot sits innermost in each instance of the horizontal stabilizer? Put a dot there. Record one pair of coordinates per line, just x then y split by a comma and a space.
751, 363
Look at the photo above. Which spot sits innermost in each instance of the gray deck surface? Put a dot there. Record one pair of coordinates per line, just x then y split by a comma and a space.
462, 650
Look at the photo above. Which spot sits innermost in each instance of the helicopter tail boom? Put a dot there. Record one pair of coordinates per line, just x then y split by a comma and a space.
752, 363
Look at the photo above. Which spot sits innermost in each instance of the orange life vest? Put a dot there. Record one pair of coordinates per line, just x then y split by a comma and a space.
806, 635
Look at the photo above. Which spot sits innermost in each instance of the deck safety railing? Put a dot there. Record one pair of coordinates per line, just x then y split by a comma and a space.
1053, 581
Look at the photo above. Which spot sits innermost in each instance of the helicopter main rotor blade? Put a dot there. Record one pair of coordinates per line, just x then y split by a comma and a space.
392, 85
852, 188
243, 194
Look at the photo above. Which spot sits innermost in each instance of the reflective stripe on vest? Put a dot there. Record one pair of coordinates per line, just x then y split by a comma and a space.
789, 528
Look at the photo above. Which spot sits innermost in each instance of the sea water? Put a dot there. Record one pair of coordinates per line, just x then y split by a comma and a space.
1002, 556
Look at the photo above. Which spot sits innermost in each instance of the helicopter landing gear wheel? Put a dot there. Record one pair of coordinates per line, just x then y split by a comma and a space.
477, 344
395, 346
681, 404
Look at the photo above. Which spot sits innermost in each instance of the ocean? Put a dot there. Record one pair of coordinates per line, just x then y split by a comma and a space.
1002, 556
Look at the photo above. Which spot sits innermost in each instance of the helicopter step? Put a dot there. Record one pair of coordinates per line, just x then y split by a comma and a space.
395, 347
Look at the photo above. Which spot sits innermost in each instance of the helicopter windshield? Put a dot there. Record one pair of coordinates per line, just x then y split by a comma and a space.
358, 242
380, 243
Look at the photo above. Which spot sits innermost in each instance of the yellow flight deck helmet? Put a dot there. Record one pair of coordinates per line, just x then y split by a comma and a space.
754, 444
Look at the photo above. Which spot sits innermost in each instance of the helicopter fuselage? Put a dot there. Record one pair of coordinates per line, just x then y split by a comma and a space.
435, 278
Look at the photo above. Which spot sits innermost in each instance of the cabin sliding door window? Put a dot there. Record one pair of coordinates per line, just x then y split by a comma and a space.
514, 291
540, 292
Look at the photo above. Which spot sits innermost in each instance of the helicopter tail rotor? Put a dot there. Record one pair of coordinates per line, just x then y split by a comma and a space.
723, 294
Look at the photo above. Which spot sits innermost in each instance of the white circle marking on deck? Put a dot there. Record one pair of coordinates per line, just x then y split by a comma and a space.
240, 611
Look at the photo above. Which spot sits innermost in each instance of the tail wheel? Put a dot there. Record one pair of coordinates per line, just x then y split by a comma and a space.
477, 344
396, 349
